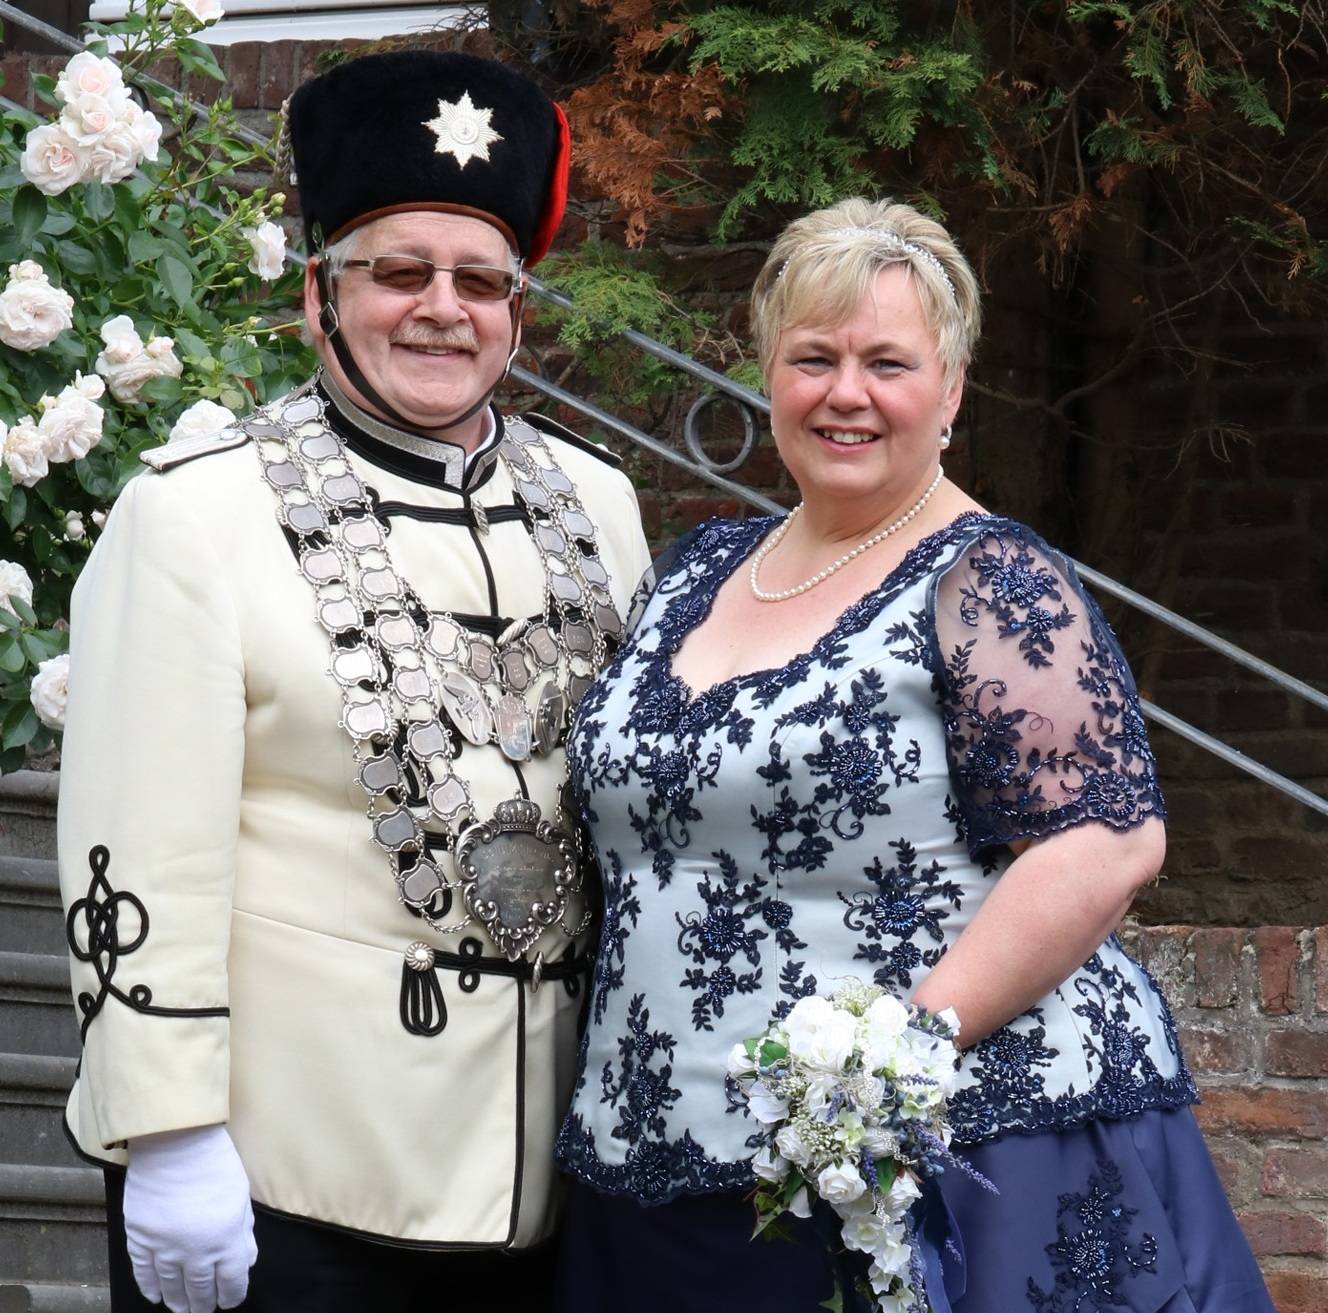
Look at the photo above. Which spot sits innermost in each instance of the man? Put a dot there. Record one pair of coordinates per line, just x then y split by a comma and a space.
328, 911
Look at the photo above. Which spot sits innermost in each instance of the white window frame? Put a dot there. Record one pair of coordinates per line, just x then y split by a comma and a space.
314, 20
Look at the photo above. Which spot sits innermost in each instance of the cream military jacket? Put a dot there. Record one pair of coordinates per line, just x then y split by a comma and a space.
236, 939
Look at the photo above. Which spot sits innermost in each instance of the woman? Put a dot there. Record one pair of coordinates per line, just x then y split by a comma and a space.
887, 737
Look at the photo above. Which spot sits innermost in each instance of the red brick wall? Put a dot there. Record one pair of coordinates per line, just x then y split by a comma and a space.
1252, 1009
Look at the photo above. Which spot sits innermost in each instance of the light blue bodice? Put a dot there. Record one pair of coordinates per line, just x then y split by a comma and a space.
847, 815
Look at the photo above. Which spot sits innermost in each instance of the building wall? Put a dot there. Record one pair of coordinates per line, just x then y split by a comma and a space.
1251, 1002
1252, 1010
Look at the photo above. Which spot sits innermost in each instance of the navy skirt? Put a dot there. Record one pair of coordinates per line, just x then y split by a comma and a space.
1125, 1216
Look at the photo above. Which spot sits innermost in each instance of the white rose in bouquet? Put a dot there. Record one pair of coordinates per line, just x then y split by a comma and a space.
33, 313
99, 519
770, 1166
14, 582
74, 528
204, 419
819, 1034
26, 458
883, 1032
127, 362
903, 1194
268, 244
789, 1142
840, 1183
72, 422
50, 691
52, 160
863, 1230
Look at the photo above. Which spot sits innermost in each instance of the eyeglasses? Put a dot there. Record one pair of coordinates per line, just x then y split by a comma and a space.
411, 274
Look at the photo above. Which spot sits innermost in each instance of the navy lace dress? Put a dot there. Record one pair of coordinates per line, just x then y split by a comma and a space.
846, 815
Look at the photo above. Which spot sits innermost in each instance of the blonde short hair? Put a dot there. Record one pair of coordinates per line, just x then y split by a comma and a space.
822, 265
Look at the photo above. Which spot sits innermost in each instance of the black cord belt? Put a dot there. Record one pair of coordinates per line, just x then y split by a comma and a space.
423, 1008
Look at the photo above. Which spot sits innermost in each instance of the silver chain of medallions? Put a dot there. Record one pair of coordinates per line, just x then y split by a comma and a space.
396, 676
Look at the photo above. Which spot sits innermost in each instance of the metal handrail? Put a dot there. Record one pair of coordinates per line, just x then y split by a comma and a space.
749, 401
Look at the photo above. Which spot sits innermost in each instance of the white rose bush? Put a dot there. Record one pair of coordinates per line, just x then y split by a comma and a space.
850, 1092
143, 297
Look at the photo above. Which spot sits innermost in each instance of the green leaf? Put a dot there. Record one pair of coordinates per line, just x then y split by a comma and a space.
127, 209
38, 647
29, 213
16, 508
22, 610
143, 247
21, 724
98, 200
167, 390
12, 659
772, 1052
886, 1171
177, 279
8, 620
77, 259
12, 760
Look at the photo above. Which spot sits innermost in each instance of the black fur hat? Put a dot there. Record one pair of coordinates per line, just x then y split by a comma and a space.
429, 130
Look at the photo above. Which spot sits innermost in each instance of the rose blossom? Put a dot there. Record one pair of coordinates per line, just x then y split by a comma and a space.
89, 74
840, 1183
71, 423
26, 457
131, 137
204, 419
50, 691
88, 117
33, 313
206, 11
99, 519
770, 1166
819, 1034
74, 529
14, 582
269, 247
52, 160
127, 363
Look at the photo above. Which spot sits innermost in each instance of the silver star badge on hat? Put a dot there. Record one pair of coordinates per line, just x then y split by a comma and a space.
462, 130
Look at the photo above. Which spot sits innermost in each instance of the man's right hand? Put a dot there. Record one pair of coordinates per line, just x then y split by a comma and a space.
189, 1222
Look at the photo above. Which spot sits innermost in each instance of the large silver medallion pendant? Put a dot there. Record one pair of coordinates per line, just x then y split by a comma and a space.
516, 871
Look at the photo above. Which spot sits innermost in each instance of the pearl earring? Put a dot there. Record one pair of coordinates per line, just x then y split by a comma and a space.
945, 436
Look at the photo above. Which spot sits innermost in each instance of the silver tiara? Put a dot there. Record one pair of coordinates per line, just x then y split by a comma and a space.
895, 241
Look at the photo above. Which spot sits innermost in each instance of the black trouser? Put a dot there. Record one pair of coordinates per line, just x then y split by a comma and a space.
306, 1268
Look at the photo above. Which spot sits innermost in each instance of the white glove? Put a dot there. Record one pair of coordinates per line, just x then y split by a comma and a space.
189, 1223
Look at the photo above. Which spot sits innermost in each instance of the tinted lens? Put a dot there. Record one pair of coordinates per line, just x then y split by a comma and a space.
402, 273
481, 282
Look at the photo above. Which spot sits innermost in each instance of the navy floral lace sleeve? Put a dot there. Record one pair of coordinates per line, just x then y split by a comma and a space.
1042, 720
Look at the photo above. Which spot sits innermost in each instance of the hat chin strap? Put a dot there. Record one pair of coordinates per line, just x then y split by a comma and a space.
330, 322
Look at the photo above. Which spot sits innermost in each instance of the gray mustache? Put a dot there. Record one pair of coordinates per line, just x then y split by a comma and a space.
460, 338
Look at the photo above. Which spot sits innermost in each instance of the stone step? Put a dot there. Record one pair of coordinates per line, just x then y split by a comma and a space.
36, 1009
31, 918
37, 1297
32, 1101
27, 813
52, 1226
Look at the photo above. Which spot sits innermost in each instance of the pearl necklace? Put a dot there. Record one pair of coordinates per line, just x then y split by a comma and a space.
821, 575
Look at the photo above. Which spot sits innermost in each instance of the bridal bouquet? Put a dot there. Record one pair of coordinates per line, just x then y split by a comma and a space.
852, 1091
